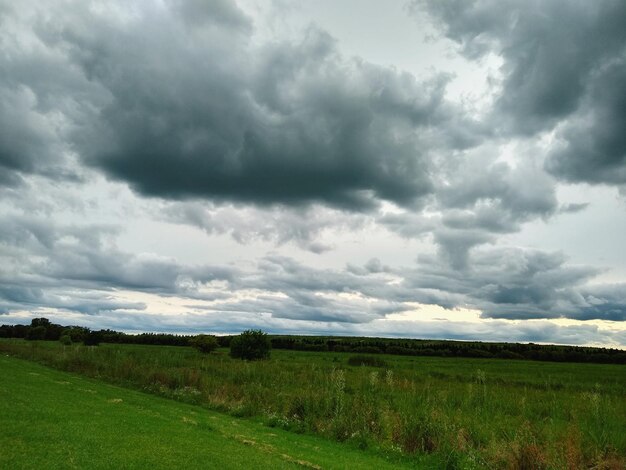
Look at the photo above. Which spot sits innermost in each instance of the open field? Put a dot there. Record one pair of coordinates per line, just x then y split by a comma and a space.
436, 412
52, 419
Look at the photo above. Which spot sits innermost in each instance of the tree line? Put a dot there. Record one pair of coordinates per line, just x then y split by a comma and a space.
43, 329
447, 348
249, 345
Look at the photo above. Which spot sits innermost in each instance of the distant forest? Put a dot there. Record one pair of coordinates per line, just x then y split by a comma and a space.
43, 329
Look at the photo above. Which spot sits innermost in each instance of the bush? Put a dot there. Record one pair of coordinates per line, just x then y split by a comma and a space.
65, 340
251, 345
204, 343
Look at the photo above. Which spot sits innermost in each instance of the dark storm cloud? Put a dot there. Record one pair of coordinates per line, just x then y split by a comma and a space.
594, 142
180, 102
324, 141
564, 62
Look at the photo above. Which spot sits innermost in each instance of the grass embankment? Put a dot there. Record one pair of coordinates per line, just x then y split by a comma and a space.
464, 413
51, 419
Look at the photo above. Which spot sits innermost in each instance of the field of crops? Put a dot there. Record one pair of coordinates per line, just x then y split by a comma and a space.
455, 412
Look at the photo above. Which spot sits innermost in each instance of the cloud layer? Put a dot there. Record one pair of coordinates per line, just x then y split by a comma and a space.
167, 156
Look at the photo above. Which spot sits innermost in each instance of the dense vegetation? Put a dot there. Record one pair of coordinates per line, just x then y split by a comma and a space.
41, 328
459, 412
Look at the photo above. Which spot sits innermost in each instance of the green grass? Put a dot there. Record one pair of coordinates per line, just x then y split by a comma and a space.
443, 412
51, 419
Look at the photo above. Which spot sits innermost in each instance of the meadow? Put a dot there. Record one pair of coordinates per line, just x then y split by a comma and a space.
436, 412
51, 419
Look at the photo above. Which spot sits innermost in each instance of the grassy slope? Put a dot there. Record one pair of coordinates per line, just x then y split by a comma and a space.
53, 419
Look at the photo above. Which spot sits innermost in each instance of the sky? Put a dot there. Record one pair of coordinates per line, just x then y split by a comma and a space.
443, 169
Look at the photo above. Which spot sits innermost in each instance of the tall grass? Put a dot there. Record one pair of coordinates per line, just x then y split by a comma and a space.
471, 413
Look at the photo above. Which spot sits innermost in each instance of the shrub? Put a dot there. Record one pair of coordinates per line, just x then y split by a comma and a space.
204, 343
65, 340
251, 345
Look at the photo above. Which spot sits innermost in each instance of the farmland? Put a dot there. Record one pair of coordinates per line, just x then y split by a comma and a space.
427, 411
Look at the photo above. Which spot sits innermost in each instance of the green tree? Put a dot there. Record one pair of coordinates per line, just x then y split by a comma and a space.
251, 345
204, 343
38, 332
76, 333
35, 322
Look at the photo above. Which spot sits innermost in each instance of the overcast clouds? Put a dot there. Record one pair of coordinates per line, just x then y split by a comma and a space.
448, 169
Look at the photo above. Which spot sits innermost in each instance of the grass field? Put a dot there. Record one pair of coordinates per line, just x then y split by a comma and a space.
52, 419
428, 411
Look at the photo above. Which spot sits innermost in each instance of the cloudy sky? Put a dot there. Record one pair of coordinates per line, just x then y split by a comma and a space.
435, 169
